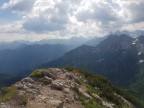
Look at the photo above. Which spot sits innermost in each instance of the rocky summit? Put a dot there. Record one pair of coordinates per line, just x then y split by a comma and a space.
59, 88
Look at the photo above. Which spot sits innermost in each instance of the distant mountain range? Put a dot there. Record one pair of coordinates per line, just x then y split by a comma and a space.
28, 57
120, 58
12, 45
74, 41
133, 34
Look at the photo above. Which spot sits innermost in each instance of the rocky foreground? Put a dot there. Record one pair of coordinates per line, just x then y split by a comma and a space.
55, 88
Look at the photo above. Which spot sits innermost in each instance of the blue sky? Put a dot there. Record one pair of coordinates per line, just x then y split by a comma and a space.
3, 1
6, 16
115, 5
47, 19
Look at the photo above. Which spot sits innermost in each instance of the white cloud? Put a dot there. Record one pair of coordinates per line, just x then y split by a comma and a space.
136, 12
101, 15
15, 27
97, 11
47, 16
131, 10
134, 27
40, 25
74, 17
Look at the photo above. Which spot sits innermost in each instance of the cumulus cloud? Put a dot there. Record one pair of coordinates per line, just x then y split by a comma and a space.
100, 14
131, 10
136, 12
40, 25
97, 11
47, 16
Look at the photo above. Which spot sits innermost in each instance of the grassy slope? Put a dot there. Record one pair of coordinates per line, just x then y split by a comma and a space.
138, 86
107, 90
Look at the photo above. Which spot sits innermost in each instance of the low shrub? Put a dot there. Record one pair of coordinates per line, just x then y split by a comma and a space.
37, 74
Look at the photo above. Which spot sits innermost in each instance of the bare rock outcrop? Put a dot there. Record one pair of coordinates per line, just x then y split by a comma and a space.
52, 88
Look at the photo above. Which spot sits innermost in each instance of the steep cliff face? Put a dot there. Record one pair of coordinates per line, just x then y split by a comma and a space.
61, 88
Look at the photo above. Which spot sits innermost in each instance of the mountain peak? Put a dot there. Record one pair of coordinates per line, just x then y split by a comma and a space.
122, 36
114, 43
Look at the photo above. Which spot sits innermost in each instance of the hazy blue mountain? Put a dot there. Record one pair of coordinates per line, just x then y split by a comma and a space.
19, 62
96, 40
12, 45
74, 41
7, 79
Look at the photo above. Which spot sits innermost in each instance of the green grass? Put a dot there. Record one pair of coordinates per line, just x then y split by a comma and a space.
8, 94
89, 103
107, 91
132, 97
91, 90
93, 104
37, 74
11, 94
138, 85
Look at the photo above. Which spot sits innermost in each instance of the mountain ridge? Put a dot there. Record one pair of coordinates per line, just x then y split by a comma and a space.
61, 88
